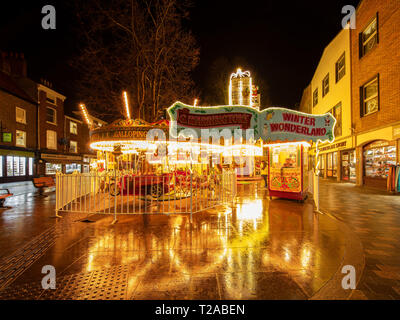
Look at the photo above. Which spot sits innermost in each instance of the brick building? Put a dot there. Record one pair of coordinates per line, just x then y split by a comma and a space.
375, 47
18, 124
37, 137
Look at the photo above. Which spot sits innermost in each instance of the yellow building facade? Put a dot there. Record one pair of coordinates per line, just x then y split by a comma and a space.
331, 92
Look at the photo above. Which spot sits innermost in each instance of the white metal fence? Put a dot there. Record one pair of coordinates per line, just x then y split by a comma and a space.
118, 193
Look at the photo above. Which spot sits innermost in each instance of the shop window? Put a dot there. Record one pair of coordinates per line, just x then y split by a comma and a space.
73, 147
31, 160
70, 168
16, 166
369, 37
315, 97
377, 161
332, 164
51, 115
20, 138
20, 115
51, 139
73, 127
53, 168
369, 94
340, 68
325, 85
337, 113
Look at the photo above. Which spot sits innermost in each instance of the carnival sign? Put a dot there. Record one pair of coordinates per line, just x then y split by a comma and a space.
271, 125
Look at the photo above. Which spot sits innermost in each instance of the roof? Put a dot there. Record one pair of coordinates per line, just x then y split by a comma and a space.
9, 85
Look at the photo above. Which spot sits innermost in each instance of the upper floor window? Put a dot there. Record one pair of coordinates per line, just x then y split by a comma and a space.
340, 68
369, 97
337, 113
50, 98
73, 146
369, 37
51, 139
325, 85
20, 115
51, 115
20, 138
73, 127
315, 97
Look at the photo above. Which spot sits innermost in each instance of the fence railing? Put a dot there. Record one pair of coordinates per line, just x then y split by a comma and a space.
117, 193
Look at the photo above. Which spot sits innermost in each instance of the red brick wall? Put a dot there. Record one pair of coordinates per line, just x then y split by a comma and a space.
383, 59
82, 137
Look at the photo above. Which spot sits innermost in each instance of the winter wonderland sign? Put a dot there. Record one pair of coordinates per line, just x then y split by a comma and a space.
271, 125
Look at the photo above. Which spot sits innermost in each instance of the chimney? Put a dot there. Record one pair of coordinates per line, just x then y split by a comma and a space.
13, 64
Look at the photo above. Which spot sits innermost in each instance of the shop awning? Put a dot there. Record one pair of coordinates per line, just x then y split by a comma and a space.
17, 153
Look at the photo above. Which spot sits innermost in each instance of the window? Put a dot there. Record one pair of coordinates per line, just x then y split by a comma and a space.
52, 168
337, 113
315, 97
51, 139
369, 37
20, 115
16, 166
31, 166
20, 138
50, 98
73, 127
369, 94
73, 147
51, 115
325, 85
70, 168
340, 68
1, 166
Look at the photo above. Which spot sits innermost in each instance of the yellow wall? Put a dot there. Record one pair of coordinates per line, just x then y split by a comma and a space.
338, 92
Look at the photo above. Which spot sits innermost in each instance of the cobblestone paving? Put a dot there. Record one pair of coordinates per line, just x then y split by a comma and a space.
375, 217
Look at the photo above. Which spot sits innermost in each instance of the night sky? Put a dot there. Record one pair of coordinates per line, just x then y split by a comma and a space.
282, 40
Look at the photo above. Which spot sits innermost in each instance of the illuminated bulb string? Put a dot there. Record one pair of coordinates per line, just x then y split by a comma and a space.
85, 113
128, 115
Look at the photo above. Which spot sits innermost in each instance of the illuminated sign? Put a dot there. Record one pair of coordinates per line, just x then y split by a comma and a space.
7, 137
271, 125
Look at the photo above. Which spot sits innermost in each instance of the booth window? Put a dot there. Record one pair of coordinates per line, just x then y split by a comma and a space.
315, 97
51, 115
369, 37
73, 127
369, 96
51, 139
20, 115
20, 138
340, 68
325, 85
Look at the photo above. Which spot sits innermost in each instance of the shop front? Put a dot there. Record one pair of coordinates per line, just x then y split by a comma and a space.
378, 156
16, 165
348, 165
50, 164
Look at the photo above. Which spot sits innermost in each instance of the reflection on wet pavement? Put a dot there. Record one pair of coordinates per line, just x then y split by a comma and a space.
259, 249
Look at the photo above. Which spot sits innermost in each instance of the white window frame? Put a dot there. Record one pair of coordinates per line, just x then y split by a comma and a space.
55, 116
71, 123
47, 140
365, 100
16, 138
375, 33
16, 115
76, 146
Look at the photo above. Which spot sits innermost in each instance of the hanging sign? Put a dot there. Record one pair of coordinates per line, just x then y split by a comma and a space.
271, 125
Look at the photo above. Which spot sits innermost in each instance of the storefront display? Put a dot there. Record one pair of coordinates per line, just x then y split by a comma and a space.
331, 171
378, 157
53, 168
72, 167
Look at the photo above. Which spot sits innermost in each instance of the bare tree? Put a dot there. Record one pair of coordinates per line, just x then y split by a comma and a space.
139, 46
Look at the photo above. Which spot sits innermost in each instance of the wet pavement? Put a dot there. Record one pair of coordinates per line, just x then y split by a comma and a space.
257, 249
374, 216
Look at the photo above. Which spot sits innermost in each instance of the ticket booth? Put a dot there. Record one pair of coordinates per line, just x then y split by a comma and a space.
288, 170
